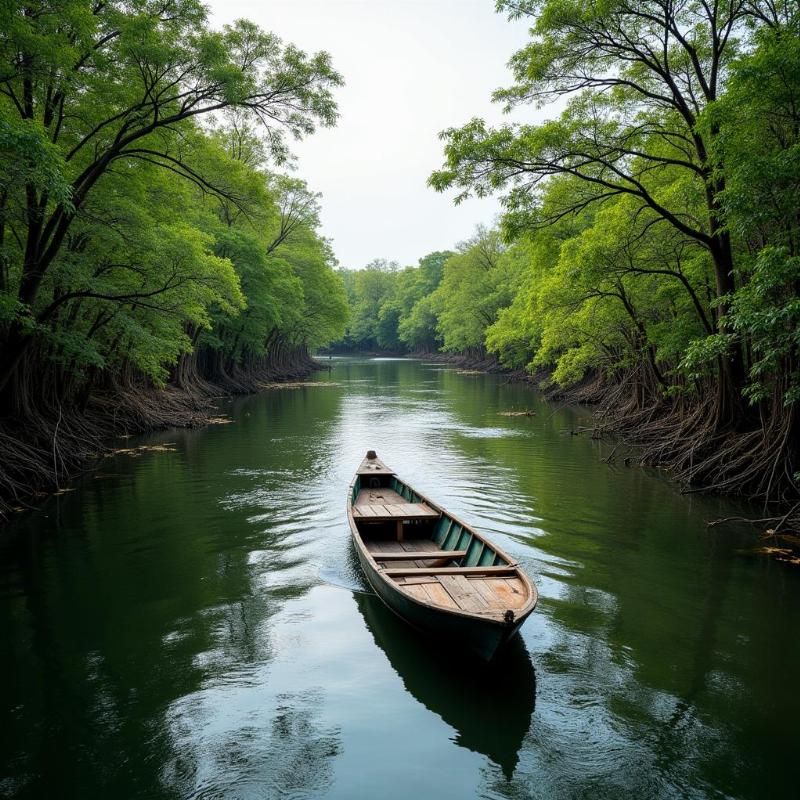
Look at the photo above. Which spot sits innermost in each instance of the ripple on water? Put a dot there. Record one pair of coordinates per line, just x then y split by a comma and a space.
204, 614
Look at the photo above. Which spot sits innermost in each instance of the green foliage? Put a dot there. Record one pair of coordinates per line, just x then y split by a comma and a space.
372, 287
766, 312
130, 234
26, 156
759, 143
650, 232
391, 309
477, 282
416, 326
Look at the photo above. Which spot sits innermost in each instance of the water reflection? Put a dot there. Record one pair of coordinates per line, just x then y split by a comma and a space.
489, 705
282, 748
176, 627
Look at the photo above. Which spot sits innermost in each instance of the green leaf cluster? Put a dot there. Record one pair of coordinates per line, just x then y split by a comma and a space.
141, 219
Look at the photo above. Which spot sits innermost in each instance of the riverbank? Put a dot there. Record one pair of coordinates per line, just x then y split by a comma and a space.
42, 451
668, 435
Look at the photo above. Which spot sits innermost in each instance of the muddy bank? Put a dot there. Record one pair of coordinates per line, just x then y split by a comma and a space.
677, 434
42, 449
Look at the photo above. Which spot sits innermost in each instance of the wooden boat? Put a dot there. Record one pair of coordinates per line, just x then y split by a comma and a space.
432, 569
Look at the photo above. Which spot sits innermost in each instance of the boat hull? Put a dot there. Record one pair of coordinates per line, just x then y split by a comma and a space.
484, 638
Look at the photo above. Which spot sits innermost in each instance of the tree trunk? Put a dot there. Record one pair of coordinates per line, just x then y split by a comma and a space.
14, 346
731, 411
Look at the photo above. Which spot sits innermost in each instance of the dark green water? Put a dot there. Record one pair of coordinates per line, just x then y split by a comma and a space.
192, 623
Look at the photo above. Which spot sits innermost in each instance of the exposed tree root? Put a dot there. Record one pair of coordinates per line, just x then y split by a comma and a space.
42, 449
757, 461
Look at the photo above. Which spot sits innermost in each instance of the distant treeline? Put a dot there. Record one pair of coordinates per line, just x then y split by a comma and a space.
147, 240
650, 245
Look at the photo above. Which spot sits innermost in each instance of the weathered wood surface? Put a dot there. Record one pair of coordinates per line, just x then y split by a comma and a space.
484, 589
461, 590
425, 551
482, 594
383, 497
388, 546
374, 466
432, 593
512, 592
394, 511
412, 554
395, 571
476, 589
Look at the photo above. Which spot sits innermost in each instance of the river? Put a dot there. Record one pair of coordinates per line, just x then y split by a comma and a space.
190, 621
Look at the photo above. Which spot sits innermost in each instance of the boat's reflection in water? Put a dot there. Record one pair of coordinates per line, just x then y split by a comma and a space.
489, 705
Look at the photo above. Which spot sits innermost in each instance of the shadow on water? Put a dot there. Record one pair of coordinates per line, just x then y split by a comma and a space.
489, 705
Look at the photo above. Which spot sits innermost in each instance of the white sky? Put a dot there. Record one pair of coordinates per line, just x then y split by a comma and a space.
411, 69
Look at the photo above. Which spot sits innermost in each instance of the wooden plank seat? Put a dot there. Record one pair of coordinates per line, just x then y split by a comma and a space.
382, 496
479, 590
509, 569
411, 555
378, 513
478, 593
422, 547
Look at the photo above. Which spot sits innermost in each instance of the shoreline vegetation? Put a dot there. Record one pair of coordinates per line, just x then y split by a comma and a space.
154, 250
647, 258
42, 456
646, 261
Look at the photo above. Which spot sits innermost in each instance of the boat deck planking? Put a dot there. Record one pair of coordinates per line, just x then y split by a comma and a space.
380, 513
383, 504
478, 590
383, 496
377, 549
